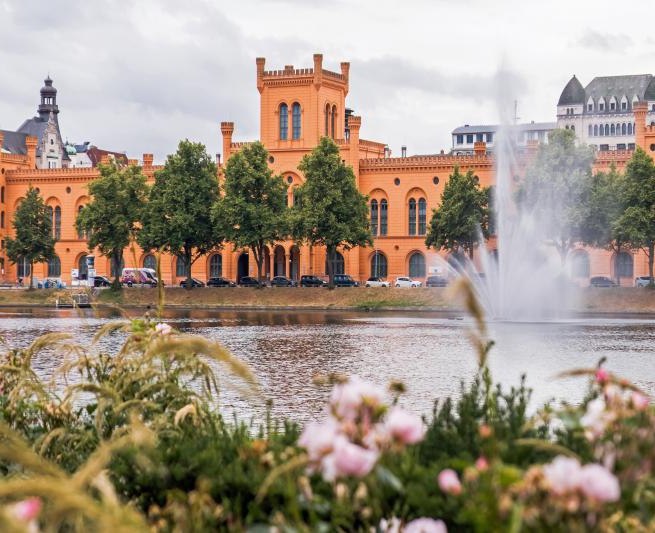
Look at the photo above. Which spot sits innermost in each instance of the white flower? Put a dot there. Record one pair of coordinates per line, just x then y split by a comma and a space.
163, 328
596, 418
563, 474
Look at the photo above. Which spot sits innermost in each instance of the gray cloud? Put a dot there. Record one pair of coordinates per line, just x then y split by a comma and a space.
605, 42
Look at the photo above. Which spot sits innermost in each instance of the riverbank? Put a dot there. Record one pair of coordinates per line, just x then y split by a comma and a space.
593, 301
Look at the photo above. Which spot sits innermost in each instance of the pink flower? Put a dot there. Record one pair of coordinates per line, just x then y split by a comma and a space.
392, 525
407, 427
163, 329
602, 375
563, 474
425, 525
26, 510
318, 438
596, 417
449, 482
347, 398
599, 484
640, 401
351, 459
482, 464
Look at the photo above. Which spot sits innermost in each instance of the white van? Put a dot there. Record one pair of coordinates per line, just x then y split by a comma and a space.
139, 276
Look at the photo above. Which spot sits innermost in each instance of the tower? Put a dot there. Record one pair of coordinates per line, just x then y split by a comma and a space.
299, 106
48, 102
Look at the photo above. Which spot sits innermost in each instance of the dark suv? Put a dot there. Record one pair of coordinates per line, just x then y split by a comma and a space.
344, 280
311, 281
249, 281
436, 281
601, 281
282, 281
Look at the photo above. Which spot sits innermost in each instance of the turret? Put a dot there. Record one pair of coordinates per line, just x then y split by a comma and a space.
640, 109
48, 101
30, 143
227, 129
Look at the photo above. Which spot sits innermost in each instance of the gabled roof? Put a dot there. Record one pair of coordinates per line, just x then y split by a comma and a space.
573, 93
34, 127
617, 86
14, 142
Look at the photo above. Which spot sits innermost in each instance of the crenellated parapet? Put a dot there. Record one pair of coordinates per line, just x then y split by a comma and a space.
437, 162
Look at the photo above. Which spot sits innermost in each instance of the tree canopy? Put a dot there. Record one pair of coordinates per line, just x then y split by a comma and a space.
33, 241
637, 222
556, 188
253, 212
332, 211
111, 219
462, 218
177, 218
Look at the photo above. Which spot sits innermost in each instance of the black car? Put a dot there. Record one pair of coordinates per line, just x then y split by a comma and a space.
195, 282
344, 280
436, 281
282, 281
249, 281
220, 282
602, 281
311, 281
101, 281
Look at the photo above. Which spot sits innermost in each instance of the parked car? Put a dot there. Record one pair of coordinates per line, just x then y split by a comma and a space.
220, 282
344, 280
138, 276
195, 282
101, 281
249, 281
642, 281
376, 282
282, 281
407, 282
436, 281
602, 281
311, 281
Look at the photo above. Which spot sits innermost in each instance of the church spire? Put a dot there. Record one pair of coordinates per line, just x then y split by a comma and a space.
48, 101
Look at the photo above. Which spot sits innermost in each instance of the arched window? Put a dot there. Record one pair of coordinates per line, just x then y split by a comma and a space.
112, 270
2, 194
215, 266
23, 267
374, 217
82, 269
630, 128
580, 264
422, 214
572, 127
624, 265
591, 130
623, 129
602, 131
379, 265
284, 122
412, 216
150, 261
612, 130
339, 265
2, 219
81, 234
595, 130
384, 215
327, 119
295, 120
57, 223
180, 267
607, 130
297, 202
417, 265
333, 122
618, 129
54, 267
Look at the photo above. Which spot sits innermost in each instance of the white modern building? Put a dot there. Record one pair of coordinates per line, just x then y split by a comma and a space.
465, 137
601, 113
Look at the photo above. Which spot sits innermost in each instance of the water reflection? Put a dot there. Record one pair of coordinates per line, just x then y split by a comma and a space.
429, 352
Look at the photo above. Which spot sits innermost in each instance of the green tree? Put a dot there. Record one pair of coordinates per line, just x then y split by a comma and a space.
462, 218
111, 219
601, 226
637, 222
33, 241
556, 189
253, 213
332, 211
177, 218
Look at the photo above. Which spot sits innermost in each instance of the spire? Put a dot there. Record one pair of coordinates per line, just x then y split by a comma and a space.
48, 100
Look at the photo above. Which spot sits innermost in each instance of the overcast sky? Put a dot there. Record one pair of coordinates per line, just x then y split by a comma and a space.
138, 76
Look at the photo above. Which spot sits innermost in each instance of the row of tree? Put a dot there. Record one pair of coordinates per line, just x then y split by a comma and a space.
571, 204
189, 213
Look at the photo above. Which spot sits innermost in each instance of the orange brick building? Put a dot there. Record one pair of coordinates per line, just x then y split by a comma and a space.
297, 108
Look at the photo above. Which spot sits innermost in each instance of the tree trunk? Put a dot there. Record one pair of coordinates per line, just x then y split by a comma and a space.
331, 252
616, 270
116, 259
651, 251
187, 263
258, 252
31, 276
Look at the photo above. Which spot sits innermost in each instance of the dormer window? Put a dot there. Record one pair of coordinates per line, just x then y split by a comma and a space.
590, 107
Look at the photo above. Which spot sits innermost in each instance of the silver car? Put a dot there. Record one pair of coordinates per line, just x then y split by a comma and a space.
376, 282
642, 281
